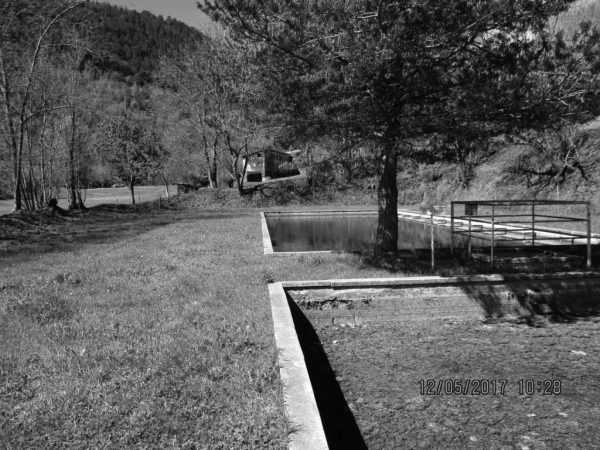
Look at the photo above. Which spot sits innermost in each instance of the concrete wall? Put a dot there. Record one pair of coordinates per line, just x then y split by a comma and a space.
519, 298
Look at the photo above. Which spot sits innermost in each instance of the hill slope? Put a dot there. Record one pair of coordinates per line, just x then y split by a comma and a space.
129, 43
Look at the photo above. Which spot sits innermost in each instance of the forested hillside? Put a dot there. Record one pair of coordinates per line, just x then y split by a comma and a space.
208, 105
95, 62
128, 44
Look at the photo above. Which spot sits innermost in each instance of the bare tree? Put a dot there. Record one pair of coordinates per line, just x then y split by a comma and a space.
190, 75
76, 115
216, 88
18, 70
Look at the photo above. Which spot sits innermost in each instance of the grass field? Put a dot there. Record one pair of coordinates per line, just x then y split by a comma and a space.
137, 327
94, 197
151, 329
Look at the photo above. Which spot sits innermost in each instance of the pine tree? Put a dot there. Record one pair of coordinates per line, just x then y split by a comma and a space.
395, 71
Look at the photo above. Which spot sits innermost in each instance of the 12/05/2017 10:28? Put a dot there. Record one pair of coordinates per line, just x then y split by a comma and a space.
469, 386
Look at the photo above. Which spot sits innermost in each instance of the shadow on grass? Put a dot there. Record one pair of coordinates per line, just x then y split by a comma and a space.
341, 429
30, 233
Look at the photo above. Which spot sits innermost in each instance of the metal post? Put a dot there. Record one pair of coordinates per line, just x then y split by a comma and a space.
159, 201
432, 243
533, 223
493, 236
452, 228
589, 237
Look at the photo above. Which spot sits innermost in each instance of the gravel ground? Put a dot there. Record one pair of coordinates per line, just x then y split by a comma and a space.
379, 369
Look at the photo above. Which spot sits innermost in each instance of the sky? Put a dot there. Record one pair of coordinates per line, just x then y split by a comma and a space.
183, 10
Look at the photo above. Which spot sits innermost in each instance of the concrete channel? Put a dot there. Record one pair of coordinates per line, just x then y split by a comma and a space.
377, 300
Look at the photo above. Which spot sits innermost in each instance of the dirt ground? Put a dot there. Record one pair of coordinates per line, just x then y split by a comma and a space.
393, 378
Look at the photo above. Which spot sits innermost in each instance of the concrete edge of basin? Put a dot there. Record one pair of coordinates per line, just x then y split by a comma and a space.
267, 244
435, 280
439, 220
299, 398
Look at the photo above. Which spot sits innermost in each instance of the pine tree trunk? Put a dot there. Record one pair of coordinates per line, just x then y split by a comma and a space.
387, 192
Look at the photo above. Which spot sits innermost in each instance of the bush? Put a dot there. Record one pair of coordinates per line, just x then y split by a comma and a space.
321, 174
365, 166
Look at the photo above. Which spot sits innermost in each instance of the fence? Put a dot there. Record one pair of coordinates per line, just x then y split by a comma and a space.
497, 220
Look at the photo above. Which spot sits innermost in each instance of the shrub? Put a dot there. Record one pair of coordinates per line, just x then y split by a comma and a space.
321, 174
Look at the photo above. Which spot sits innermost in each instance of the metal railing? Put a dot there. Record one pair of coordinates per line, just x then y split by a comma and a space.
521, 226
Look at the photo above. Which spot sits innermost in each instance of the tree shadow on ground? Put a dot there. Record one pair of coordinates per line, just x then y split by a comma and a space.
534, 302
340, 426
518, 260
26, 234
538, 302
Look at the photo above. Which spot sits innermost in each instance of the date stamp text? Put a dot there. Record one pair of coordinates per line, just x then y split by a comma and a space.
467, 386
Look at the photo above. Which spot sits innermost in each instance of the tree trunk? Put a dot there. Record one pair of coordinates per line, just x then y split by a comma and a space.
44, 192
242, 176
71, 162
32, 188
237, 176
214, 169
166, 183
11, 128
17, 180
235, 157
131, 188
80, 202
211, 164
23, 193
71, 187
212, 175
387, 192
